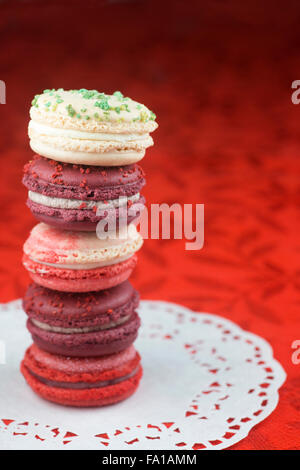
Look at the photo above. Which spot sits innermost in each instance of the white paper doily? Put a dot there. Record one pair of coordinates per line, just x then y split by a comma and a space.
206, 384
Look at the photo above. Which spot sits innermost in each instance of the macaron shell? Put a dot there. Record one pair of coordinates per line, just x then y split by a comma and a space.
84, 280
113, 158
80, 310
122, 115
84, 285
47, 244
84, 369
82, 182
84, 397
82, 219
71, 371
96, 343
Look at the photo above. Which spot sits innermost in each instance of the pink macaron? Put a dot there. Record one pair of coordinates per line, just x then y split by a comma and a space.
80, 261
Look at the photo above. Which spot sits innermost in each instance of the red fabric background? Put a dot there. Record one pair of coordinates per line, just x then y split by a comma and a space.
219, 76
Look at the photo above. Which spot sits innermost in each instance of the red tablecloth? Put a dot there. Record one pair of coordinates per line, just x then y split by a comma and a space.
219, 79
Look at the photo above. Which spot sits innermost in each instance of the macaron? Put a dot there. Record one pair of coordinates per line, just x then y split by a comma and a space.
89, 127
77, 197
82, 382
72, 261
82, 324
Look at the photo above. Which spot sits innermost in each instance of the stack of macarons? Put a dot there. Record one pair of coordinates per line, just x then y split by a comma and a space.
84, 187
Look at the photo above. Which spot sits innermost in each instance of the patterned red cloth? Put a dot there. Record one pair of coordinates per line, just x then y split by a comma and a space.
219, 78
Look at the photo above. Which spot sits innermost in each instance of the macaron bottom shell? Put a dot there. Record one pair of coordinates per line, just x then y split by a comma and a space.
95, 343
82, 219
80, 280
110, 158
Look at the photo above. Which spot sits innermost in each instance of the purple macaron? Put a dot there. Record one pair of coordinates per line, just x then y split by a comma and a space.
82, 324
77, 197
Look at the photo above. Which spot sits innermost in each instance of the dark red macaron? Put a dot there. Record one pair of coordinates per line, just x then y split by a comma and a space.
93, 381
82, 324
77, 197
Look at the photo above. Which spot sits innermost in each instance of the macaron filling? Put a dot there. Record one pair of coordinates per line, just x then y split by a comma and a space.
95, 343
84, 385
62, 203
43, 129
78, 266
114, 157
87, 329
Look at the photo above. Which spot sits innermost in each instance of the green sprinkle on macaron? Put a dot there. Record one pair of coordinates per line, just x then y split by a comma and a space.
102, 104
35, 100
125, 109
71, 110
118, 95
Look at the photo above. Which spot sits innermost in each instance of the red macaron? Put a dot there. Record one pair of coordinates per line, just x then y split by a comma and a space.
70, 196
82, 382
82, 324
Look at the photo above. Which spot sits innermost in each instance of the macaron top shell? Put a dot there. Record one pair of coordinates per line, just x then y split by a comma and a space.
75, 366
91, 110
80, 250
55, 179
80, 309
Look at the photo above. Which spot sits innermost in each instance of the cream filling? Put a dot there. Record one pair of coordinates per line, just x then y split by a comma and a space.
61, 203
87, 329
99, 264
82, 135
